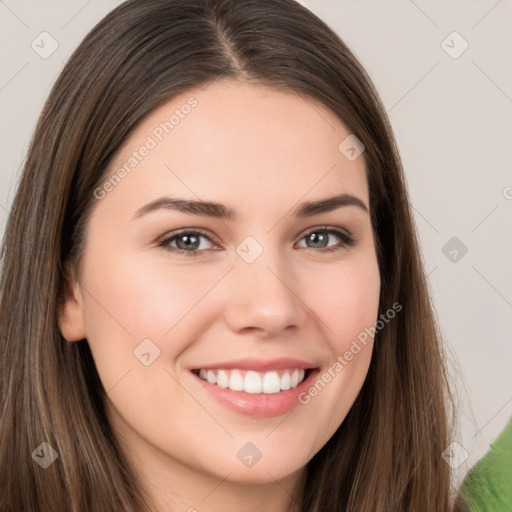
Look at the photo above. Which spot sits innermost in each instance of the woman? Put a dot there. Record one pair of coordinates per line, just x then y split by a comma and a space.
293, 362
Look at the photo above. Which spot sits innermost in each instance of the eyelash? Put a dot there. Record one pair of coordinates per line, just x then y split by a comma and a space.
346, 240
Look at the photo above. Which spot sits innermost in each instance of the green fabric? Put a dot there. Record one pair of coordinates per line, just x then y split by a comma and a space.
488, 484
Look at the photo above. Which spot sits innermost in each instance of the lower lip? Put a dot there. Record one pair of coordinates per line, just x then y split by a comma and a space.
259, 405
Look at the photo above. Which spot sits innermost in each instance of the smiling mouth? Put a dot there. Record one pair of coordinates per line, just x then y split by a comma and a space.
253, 382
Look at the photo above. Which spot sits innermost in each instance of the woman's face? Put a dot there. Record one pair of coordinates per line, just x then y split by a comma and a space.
209, 255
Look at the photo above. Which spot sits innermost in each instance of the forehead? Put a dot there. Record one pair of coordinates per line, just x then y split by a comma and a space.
239, 142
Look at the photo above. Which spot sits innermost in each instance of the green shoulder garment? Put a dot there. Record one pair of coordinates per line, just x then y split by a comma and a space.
488, 484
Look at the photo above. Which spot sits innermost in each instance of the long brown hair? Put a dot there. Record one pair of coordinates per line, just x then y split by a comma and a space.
386, 455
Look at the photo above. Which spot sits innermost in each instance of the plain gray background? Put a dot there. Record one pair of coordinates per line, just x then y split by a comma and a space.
452, 119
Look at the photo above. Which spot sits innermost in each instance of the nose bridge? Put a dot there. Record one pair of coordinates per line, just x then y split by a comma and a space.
263, 295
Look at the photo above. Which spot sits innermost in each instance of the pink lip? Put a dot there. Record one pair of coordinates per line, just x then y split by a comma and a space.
258, 405
258, 365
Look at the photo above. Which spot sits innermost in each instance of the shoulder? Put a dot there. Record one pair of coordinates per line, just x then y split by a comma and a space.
487, 484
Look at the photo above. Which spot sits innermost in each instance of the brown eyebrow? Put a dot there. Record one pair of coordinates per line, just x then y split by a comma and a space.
219, 211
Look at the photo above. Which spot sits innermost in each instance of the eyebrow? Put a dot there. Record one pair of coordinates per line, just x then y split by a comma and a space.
220, 211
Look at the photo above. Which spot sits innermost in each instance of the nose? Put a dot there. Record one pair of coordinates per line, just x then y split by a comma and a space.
263, 297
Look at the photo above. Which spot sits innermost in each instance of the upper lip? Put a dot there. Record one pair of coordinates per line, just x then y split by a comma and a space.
255, 364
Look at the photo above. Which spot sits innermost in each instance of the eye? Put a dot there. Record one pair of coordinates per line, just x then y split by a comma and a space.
188, 242
319, 238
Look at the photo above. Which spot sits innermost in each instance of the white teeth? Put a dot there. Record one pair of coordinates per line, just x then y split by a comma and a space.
254, 382
236, 381
286, 382
222, 379
271, 383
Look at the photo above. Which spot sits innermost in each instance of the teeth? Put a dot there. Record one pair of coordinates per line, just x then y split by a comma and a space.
271, 383
286, 381
254, 382
295, 378
222, 379
236, 381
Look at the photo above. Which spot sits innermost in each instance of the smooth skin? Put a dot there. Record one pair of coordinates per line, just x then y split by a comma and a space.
261, 152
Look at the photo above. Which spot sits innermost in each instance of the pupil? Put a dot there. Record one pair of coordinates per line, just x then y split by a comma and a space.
190, 241
318, 238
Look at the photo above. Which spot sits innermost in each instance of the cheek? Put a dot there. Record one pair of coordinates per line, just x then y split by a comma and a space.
346, 298
131, 300
143, 297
